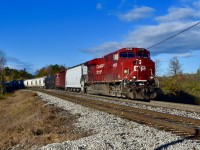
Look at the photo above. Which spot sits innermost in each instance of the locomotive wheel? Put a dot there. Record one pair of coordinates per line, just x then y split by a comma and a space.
145, 93
131, 94
147, 99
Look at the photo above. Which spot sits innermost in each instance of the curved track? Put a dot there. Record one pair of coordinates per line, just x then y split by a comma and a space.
153, 103
180, 125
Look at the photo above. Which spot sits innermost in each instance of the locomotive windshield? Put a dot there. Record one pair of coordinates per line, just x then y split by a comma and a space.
144, 55
127, 55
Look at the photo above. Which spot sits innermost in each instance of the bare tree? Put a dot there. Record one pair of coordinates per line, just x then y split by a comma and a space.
2, 65
2, 60
175, 66
157, 66
198, 71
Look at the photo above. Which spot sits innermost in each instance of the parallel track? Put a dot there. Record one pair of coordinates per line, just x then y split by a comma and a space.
180, 125
153, 103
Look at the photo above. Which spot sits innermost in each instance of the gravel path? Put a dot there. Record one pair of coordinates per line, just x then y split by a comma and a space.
114, 133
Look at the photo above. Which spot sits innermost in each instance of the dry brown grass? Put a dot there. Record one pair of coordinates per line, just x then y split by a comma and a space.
26, 122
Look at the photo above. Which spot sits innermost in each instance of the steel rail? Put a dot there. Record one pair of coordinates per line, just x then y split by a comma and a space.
138, 115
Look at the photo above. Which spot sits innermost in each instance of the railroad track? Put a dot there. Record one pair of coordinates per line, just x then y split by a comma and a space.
186, 127
153, 103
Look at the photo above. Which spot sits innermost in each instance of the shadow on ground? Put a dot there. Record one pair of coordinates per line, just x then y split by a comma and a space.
165, 146
177, 97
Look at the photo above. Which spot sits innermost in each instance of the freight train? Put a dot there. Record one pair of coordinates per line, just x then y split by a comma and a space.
127, 72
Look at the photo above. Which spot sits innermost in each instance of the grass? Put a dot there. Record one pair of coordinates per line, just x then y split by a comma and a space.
3, 96
26, 122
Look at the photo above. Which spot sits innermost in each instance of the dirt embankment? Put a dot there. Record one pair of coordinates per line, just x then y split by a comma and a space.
26, 122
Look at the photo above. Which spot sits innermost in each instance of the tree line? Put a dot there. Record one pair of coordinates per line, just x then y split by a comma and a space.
9, 74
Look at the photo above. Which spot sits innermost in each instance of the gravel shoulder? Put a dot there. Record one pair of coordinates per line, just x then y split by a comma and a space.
111, 132
162, 109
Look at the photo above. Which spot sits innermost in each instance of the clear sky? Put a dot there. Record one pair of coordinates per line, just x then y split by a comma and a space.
37, 33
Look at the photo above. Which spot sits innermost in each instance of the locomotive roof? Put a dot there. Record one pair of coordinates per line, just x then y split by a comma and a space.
134, 49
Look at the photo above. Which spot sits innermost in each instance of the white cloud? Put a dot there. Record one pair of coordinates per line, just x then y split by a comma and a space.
147, 36
179, 14
99, 6
184, 55
103, 49
196, 3
18, 64
167, 26
137, 13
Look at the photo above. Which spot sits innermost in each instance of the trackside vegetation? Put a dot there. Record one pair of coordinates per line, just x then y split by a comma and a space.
180, 88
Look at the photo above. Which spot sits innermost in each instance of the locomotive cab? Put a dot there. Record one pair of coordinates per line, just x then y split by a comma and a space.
136, 64
138, 74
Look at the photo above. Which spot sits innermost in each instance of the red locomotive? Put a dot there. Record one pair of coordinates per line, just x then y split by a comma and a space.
128, 72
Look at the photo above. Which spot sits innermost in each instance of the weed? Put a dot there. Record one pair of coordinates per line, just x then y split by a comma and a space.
25, 123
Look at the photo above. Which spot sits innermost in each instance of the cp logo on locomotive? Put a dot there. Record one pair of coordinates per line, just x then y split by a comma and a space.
142, 68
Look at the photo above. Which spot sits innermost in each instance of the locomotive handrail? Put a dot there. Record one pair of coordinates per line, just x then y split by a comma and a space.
127, 75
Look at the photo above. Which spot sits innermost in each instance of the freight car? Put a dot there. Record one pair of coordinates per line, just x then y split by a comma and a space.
13, 85
60, 80
37, 82
128, 72
74, 77
50, 82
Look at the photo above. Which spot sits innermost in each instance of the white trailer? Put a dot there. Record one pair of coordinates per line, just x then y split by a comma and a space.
74, 77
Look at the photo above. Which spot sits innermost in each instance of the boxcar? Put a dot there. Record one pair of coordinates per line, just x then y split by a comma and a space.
60, 79
74, 78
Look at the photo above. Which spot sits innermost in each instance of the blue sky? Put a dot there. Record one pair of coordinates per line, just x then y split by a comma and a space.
37, 33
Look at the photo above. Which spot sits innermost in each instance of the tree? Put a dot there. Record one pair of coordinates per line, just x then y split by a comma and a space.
2, 64
175, 66
198, 71
42, 72
14, 74
157, 66
2, 60
49, 70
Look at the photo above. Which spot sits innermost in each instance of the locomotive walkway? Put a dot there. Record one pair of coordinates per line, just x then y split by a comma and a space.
183, 126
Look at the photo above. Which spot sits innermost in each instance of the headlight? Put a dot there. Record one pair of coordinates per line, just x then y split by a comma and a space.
140, 62
151, 77
134, 77
125, 71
